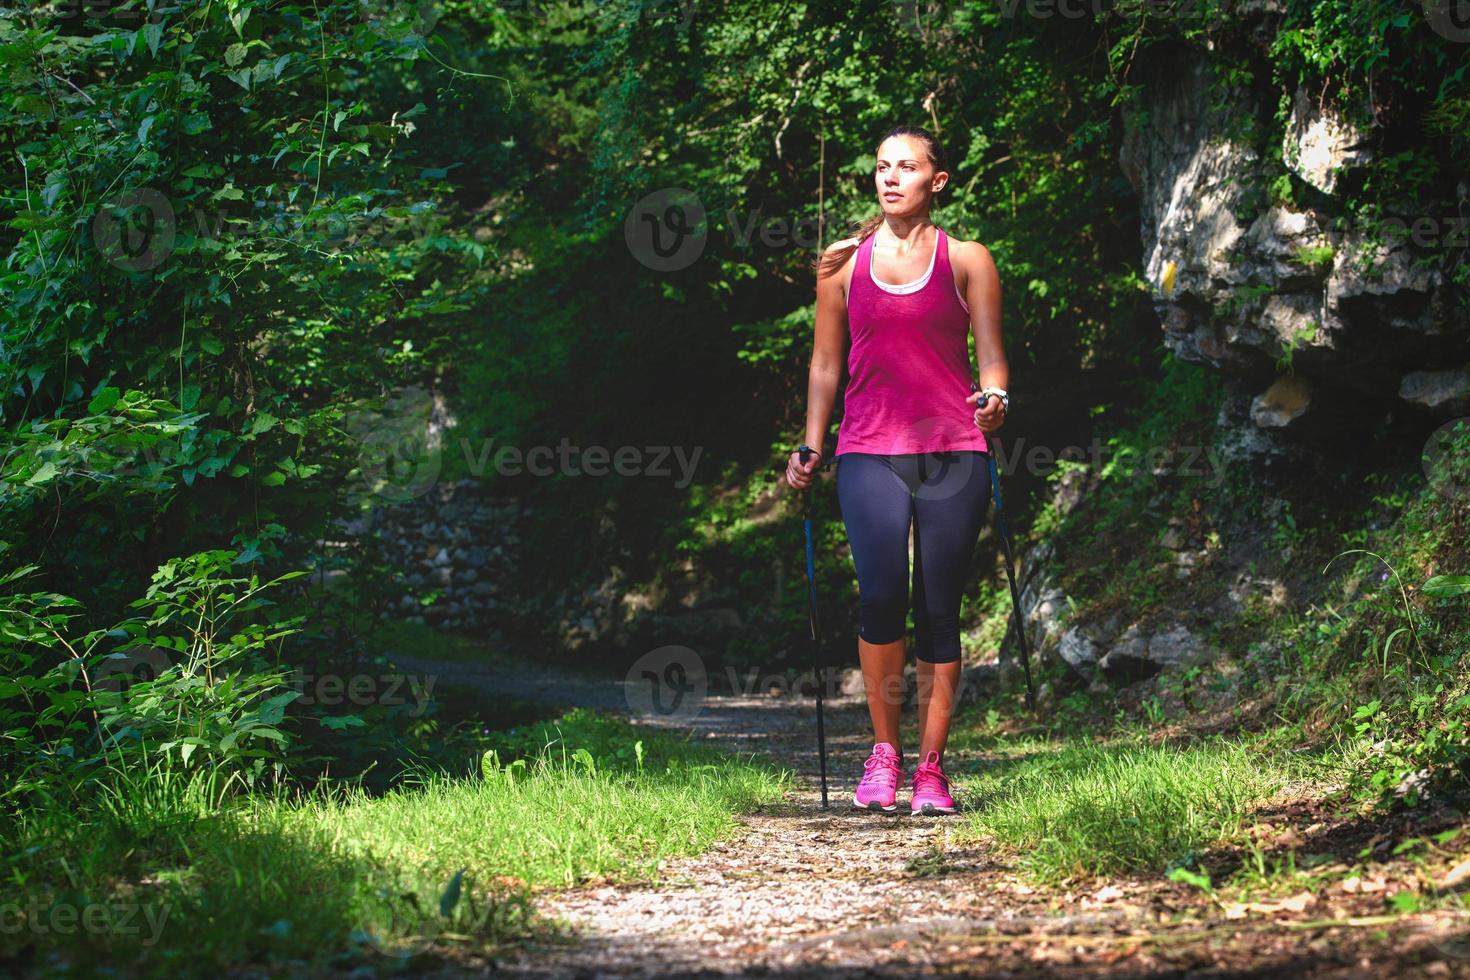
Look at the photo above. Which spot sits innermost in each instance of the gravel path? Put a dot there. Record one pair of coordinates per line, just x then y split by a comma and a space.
801, 891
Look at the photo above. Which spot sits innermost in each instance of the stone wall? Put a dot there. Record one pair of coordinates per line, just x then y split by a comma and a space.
458, 541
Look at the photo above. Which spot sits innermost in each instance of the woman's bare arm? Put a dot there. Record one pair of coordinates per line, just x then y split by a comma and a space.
982, 293
829, 341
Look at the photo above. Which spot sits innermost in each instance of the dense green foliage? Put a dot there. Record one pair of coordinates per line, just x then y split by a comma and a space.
256, 250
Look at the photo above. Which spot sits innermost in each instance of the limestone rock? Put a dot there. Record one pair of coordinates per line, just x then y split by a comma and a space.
1281, 404
1320, 142
1446, 393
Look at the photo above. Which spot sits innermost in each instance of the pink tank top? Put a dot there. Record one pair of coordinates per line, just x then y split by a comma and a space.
909, 366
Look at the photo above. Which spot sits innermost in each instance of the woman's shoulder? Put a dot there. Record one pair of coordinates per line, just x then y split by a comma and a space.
967, 253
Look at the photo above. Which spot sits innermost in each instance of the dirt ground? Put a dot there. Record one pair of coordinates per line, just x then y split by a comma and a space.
803, 891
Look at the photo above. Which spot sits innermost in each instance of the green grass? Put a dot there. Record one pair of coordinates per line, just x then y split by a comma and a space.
341, 877
423, 641
1077, 809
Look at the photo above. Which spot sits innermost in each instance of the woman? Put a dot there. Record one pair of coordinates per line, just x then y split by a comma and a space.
911, 445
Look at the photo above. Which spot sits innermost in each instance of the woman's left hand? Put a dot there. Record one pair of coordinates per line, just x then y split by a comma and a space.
992, 415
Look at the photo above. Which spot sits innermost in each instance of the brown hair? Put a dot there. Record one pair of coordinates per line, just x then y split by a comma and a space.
829, 262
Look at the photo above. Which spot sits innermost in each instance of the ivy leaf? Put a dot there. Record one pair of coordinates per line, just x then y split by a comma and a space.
238, 19
1447, 586
103, 400
153, 33
43, 475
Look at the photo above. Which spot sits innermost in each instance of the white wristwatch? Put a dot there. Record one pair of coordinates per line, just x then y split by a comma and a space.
1005, 400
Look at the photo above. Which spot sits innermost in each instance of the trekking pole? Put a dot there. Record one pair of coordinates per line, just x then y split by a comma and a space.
811, 594
992, 442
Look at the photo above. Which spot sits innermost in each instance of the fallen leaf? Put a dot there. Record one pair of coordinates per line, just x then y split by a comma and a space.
1299, 903
1456, 875
1108, 893
1296, 903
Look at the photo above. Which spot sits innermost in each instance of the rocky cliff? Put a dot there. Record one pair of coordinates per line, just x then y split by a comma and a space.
1363, 311
1333, 332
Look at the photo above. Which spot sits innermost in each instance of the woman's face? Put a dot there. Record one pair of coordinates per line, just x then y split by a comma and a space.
904, 177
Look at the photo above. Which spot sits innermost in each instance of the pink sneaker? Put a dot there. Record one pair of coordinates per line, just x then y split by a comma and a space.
931, 788
882, 772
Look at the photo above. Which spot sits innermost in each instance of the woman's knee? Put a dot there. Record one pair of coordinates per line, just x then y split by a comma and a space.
882, 615
940, 643
938, 652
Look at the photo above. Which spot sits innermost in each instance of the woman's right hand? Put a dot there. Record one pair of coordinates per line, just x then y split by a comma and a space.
799, 474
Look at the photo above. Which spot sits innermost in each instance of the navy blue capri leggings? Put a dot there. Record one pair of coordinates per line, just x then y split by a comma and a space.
945, 494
